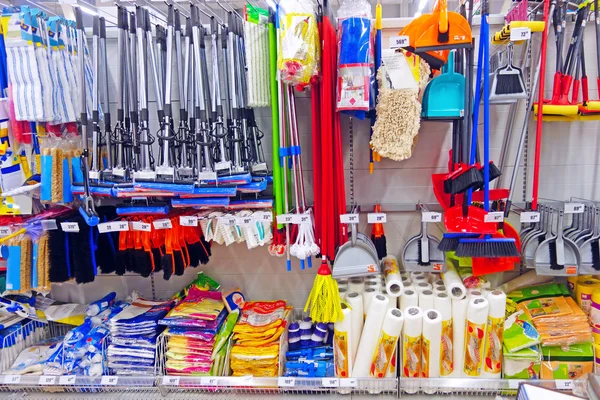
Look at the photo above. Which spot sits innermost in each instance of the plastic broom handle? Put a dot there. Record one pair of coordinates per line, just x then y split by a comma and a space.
486, 111
275, 121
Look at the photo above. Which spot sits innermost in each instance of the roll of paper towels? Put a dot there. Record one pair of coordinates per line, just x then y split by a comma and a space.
386, 344
343, 292
342, 344
411, 347
459, 321
477, 314
394, 283
439, 289
475, 293
367, 297
492, 367
426, 299
438, 282
392, 300
374, 285
356, 285
414, 274
432, 338
443, 304
453, 283
409, 298
368, 341
423, 286
355, 301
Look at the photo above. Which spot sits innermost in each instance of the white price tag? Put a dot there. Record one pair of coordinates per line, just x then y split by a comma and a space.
431, 217
376, 218
301, 219
109, 380
564, 384
573, 208
12, 379
115, 226
263, 216
5, 231
209, 380
67, 380
349, 218
170, 380
494, 216
47, 380
286, 381
517, 34
162, 224
229, 220
245, 221
188, 220
244, 381
530, 216
331, 382
69, 226
514, 383
398, 42
140, 226
285, 218
49, 224
348, 382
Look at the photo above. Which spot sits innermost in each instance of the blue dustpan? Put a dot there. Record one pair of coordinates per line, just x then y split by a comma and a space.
444, 96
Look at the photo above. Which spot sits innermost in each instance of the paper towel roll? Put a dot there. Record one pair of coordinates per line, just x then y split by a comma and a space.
392, 300
438, 282
367, 296
432, 277
355, 300
583, 293
439, 289
492, 366
443, 304
409, 298
530, 278
418, 279
425, 299
370, 335
414, 274
343, 292
424, 286
475, 331
386, 343
459, 320
342, 344
453, 283
406, 280
342, 282
374, 285
475, 293
371, 277
394, 283
410, 287
432, 337
411, 347
356, 285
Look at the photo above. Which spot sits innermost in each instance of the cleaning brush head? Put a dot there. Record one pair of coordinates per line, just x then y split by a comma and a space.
487, 247
179, 263
420, 249
450, 241
596, 255
465, 179
554, 265
167, 263
156, 254
195, 251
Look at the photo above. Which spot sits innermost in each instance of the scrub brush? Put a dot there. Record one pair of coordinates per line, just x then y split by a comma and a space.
378, 236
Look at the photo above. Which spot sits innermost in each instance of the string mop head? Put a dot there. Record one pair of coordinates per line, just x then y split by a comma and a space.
324, 298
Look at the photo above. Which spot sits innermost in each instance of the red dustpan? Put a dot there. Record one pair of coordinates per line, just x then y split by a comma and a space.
472, 222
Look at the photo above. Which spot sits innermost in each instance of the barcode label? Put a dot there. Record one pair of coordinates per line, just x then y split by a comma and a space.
188, 220
162, 224
69, 226
116, 226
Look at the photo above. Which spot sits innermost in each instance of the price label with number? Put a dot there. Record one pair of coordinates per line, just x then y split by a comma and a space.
301, 219
12, 379
517, 34
109, 380
285, 218
245, 221
162, 224
286, 381
530, 216
47, 380
67, 380
349, 218
573, 208
69, 226
495, 216
377, 218
115, 226
5, 231
349, 382
170, 380
564, 384
263, 216
431, 217
331, 382
229, 220
140, 226
188, 220
209, 381
398, 42
49, 224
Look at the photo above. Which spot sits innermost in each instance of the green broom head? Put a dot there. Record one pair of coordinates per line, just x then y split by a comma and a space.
324, 298
487, 246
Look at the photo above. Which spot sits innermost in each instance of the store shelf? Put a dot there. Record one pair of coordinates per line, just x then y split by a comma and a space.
474, 386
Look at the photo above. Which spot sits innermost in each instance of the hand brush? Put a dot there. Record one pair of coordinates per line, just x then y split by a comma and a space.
168, 260
378, 237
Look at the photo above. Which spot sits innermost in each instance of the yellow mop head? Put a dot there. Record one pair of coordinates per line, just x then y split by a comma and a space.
324, 298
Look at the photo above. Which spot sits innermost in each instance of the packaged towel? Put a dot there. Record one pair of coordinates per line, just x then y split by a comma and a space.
519, 332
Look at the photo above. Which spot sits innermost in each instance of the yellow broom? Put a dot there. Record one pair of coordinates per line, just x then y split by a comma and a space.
324, 298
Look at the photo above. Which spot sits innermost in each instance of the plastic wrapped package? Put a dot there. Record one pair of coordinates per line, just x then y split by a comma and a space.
355, 56
299, 50
571, 362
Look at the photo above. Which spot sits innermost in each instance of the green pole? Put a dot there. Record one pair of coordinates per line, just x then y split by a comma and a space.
277, 179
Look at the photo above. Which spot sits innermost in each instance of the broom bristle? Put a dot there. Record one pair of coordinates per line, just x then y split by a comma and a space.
167, 266
179, 264
195, 250
420, 248
595, 255
143, 263
554, 265
509, 84
471, 178
487, 247
380, 245
157, 259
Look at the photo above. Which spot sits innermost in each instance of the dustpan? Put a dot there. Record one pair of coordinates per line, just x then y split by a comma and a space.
357, 257
501, 92
557, 255
442, 29
444, 96
421, 253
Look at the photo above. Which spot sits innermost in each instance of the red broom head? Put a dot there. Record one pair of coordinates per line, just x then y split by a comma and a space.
324, 268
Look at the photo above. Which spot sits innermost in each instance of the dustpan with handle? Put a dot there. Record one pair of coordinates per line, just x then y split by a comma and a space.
421, 253
357, 257
445, 97
557, 255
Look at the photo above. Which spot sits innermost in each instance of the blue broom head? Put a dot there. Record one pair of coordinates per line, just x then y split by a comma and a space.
488, 247
450, 240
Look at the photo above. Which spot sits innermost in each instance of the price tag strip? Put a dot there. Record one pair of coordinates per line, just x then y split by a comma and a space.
67, 380
140, 226
47, 380
115, 226
349, 218
431, 217
376, 218
573, 208
529, 216
286, 381
188, 220
495, 216
330, 382
162, 224
109, 380
69, 226
398, 42
12, 379
170, 380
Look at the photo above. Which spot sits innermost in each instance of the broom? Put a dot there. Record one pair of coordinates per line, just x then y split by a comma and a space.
324, 298
378, 236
